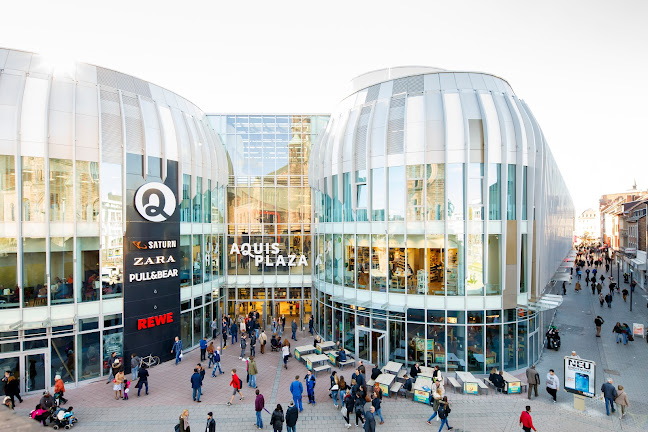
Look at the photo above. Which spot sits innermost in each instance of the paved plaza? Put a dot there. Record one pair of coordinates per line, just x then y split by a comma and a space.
170, 390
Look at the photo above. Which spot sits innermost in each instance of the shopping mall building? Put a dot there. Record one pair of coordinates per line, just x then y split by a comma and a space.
422, 221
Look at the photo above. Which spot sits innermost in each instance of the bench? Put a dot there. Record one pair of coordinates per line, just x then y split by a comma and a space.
482, 386
341, 365
321, 368
490, 383
370, 383
454, 383
401, 375
395, 388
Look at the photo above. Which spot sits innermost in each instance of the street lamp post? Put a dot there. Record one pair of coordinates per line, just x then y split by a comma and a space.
631, 290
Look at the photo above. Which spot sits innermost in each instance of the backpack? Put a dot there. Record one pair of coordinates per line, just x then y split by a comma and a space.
240, 383
443, 412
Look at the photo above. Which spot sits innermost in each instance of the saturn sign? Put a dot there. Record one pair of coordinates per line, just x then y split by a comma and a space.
155, 202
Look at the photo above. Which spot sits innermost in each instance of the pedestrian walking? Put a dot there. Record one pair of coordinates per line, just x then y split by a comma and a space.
196, 385
252, 371
285, 352
526, 422
253, 340
243, 346
598, 322
142, 375
263, 339
618, 330
444, 412
59, 390
601, 299
177, 348
203, 349
135, 364
310, 386
622, 400
259, 405
234, 332
609, 394
347, 407
210, 354
533, 379
297, 390
311, 325
293, 327
358, 408
375, 403
553, 384
11, 387
370, 420
625, 293
217, 360
236, 384
437, 397
608, 299
292, 414
211, 423
224, 331
277, 419
183, 422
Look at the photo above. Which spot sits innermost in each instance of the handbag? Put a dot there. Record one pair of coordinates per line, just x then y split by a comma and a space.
180, 356
344, 411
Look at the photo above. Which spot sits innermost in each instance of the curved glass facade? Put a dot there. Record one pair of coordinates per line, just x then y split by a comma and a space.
437, 205
72, 142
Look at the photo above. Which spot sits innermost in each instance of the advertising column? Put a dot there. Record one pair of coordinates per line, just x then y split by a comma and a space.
151, 247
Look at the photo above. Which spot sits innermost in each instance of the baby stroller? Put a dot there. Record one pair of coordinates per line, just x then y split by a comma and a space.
63, 418
274, 344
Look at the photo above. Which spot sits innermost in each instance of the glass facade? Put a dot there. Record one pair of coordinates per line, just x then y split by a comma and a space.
434, 258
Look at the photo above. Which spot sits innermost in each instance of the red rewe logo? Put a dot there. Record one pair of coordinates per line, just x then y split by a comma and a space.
138, 245
154, 321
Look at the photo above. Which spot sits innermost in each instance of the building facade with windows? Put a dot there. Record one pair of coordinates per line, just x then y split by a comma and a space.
77, 143
269, 201
439, 218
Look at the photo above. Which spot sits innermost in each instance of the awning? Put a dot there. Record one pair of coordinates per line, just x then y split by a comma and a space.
560, 276
568, 265
546, 302
638, 264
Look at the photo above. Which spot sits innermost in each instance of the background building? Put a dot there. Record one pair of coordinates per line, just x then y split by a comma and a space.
268, 201
76, 141
588, 224
440, 217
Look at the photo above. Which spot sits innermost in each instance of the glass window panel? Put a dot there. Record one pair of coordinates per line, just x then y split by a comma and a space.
435, 191
416, 343
8, 210
87, 191
281, 215
337, 205
475, 265
455, 181
348, 213
493, 347
113, 342
476, 349
522, 345
475, 198
88, 357
436, 346
494, 191
197, 259
361, 211
197, 325
338, 264
62, 358
349, 261
112, 239
34, 277
435, 264
185, 260
186, 329
378, 194
8, 266
328, 257
415, 268
397, 264
510, 193
207, 203
363, 258
197, 201
455, 266
415, 193
33, 189
494, 273
185, 204
61, 270
524, 193
397, 341
523, 264
379, 262
396, 197
456, 348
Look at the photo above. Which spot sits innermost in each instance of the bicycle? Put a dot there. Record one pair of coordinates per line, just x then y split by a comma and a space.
150, 361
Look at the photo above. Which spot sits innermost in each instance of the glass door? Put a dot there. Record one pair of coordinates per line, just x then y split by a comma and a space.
36, 374
381, 354
363, 342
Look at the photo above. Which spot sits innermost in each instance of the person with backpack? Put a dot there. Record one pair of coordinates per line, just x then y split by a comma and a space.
277, 419
236, 384
358, 408
444, 412
292, 414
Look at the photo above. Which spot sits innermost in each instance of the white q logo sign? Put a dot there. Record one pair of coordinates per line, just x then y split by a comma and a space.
155, 202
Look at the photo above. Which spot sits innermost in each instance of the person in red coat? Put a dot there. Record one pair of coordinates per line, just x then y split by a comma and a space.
236, 386
526, 421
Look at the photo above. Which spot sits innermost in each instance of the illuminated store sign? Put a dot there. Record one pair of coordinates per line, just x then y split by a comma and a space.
154, 321
261, 253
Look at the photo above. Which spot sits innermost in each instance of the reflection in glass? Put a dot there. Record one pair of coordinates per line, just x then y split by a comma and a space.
363, 257
112, 238
349, 260
33, 189
493, 348
456, 348
337, 259
185, 204
8, 208
475, 349
415, 192
61, 269
494, 282
197, 201
415, 268
522, 344
508, 354
88, 280
197, 259
475, 265
186, 328
454, 190
455, 265
475, 198
494, 191
89, 355
396, 186
8, 266
87, 191
379, 262
62, 358
397, 263
435, 191
185, 261
378, 194
436, 346
61, 190
34, 277
435, 264
510, 193
416, 343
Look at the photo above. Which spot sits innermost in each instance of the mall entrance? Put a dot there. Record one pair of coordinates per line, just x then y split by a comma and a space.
29, 369
292, 309
372, 346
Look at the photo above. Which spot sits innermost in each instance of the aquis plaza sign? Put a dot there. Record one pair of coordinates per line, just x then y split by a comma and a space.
267, 254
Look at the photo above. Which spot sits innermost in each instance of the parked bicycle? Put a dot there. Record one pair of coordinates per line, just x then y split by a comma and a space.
150, 361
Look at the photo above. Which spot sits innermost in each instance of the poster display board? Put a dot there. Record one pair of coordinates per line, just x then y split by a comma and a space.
579, 376
471, 388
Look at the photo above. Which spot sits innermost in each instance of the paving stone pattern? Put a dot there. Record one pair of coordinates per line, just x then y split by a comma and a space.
170, 389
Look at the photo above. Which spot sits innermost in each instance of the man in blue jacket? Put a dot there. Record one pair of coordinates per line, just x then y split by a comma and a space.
177, 348
196, 385
310, 386
203, 349
297, 389
216, 359
234, 332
